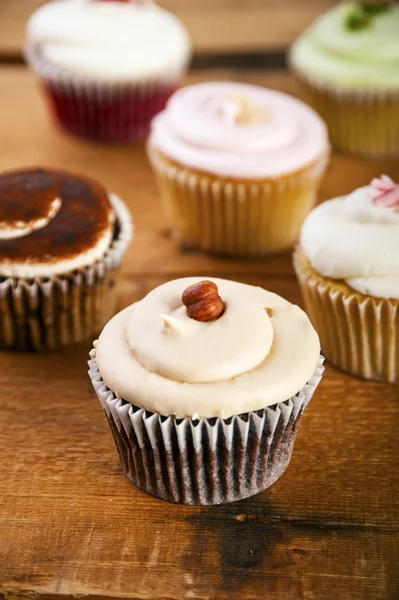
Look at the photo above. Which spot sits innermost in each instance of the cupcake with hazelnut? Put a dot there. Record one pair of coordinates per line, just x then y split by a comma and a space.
107, 66
203, 384
348, 269
62, 239
238, 166
347, 64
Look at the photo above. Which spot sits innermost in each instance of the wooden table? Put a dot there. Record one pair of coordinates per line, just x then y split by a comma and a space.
215, 25
72, 525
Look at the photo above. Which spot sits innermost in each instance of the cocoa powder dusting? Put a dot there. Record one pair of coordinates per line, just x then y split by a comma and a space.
80, 222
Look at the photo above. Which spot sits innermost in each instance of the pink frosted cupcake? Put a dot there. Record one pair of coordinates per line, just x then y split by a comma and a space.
107, 66
238, 166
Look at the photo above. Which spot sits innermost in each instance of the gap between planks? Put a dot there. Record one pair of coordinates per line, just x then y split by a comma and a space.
269, 60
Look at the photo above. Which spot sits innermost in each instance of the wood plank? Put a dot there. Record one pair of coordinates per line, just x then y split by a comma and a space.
28, 138
72, 525
215, 25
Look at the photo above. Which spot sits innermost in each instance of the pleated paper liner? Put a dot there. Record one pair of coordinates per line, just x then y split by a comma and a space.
358, 333
44, 314
204, 461
110, 112
236, 217
364, 123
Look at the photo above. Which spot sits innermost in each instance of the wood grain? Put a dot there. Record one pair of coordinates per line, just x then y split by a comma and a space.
215, 25
72, 525
28, 138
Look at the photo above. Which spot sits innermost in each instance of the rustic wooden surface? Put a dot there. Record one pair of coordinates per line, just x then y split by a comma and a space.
72, 525
215, 25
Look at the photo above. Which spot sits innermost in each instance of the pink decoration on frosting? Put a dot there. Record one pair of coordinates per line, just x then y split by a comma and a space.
385, 192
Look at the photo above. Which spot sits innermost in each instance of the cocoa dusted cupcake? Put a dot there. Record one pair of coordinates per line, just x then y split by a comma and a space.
203, 384
62, 238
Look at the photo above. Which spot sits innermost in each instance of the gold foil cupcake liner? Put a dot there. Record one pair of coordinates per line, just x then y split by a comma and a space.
358, 333
44, 314
204, 461
359, 122
234, 217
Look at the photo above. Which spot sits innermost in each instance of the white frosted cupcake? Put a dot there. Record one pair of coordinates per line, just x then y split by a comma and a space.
203, 384
238, 166
107, 66
348, 268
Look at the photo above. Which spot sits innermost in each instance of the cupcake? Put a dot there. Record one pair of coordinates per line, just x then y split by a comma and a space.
203, 384
62, 239
348, 66
107, 66
238, 166
348, 269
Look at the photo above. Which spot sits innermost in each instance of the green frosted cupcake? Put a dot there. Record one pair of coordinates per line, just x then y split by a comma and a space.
347, 63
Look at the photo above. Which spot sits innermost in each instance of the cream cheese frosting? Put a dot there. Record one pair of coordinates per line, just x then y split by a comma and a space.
261, 351
356, 238
366, 57
239, 130
109, 41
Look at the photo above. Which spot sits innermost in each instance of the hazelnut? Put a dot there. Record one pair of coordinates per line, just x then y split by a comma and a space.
203, 301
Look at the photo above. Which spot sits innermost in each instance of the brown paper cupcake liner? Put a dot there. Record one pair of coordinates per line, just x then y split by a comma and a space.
358, 333
204, 461
104, 111
236, 217
44, 314
359, 122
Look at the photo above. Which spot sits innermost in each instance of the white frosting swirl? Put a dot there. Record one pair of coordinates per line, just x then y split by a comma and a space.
154, 356
110, 41
239, 130
167, 341
354, 239
23, 225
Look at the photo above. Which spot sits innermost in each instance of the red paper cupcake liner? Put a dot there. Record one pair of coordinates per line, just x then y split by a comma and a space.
115, 114
100, 110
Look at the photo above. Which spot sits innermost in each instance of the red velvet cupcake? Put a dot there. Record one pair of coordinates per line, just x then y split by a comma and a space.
107, 66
